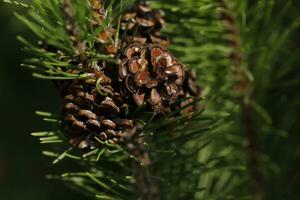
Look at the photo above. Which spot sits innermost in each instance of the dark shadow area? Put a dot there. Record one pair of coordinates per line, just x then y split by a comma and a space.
22, 166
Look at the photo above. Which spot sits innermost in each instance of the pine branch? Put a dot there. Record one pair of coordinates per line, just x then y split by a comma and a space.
144, 181
203, 152
244, 91
72, 30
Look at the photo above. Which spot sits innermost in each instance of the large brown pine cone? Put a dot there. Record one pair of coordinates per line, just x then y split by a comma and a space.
152, 76
142, 24
94, 111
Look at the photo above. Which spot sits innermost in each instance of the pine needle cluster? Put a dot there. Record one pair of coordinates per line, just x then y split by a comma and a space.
236, 146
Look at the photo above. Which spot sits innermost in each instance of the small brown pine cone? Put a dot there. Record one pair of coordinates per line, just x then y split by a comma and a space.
92, 112
142, 24
151, 76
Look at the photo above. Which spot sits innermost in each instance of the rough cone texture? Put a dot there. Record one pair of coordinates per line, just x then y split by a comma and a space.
92, 110
153, 77
146, 78
142, 24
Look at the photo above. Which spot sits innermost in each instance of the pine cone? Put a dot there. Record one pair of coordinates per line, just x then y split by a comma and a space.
147, 74
143, 25
93, 111
151, 75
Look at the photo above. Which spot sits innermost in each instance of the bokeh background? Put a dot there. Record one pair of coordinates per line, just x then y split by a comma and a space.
22, 167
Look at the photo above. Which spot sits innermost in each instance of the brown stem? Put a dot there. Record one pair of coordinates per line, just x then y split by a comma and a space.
252, 150
74, 33
144, 181
243, 88
106, 36
70, 28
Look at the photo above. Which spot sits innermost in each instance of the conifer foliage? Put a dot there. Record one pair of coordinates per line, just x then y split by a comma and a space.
132, 77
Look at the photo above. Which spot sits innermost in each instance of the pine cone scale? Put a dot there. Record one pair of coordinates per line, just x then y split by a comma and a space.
159, 77
143, 25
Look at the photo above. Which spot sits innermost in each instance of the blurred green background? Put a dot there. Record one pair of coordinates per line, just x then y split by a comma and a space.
22, 167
